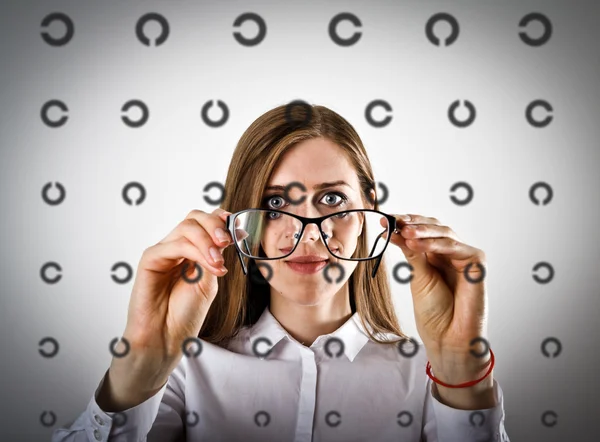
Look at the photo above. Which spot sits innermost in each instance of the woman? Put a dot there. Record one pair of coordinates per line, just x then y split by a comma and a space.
292, 350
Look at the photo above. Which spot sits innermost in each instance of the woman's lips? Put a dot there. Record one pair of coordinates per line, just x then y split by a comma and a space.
306, 267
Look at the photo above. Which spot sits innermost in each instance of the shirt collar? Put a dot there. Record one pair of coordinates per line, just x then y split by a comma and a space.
352, 333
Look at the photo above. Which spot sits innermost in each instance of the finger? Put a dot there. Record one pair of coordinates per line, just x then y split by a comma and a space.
198, 236
457, 254
417, 219
209, 222
163, 254
240, 234
417, 260
413, 231
193, 232
450, 248
409, 219
415, 227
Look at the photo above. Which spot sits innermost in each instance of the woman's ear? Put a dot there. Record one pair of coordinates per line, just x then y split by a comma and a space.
372, 198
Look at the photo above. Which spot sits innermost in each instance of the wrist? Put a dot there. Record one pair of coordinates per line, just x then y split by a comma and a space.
476, 397
456, 371
457, 368
114, 396
138, 376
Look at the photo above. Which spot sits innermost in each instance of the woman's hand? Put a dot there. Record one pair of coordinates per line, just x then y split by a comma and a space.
165, 308
168, 304
449, 299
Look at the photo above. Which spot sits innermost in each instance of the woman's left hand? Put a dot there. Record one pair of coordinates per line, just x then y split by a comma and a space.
450, 307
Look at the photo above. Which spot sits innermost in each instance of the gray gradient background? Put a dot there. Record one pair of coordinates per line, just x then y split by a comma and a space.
419, 156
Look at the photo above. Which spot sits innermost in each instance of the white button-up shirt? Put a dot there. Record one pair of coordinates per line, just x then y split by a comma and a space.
370, 392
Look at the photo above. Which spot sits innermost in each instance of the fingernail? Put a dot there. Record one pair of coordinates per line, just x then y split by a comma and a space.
216, 256
404, 217
221, 234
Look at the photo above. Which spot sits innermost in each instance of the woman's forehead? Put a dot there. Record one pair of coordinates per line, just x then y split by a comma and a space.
316, 159
306, 184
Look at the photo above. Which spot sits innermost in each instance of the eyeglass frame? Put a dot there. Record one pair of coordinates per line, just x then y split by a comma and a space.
305, 221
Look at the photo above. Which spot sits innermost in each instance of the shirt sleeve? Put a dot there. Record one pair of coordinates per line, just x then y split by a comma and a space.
442, 423
158, 418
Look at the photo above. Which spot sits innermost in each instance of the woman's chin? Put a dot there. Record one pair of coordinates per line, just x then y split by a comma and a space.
306, 297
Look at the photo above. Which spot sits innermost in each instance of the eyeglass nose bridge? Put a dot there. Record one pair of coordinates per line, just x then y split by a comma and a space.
325, 235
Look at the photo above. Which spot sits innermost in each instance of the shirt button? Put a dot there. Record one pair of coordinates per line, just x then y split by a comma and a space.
97, 434
98, 419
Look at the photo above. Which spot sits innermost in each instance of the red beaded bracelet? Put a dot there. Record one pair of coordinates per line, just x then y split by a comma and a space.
466, 384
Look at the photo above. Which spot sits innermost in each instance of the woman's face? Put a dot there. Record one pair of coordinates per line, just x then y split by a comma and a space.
311, 163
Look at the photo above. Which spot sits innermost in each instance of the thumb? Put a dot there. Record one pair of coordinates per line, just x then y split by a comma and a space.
208, 284
197, 274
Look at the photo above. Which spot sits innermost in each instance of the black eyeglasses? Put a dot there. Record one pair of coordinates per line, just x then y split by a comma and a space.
351, 235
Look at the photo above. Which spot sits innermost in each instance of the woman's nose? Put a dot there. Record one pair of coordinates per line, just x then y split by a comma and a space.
311, 233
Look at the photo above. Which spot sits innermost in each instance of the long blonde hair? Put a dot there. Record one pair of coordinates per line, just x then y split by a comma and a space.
240, 300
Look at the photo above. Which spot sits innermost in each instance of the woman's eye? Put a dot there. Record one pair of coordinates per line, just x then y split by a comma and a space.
330, 198
276, 205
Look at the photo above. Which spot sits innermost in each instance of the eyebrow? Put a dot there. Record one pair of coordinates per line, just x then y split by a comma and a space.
315, 187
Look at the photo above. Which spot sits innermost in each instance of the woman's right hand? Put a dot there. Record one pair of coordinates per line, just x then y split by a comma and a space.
165, 308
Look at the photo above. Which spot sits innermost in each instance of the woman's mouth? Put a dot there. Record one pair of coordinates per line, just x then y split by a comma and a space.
307, 267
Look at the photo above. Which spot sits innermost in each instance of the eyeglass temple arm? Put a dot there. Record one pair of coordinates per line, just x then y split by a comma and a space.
374, 272
375, 244
392, 221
